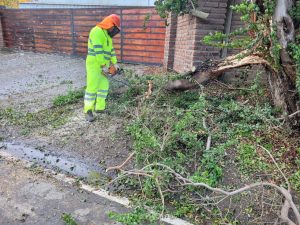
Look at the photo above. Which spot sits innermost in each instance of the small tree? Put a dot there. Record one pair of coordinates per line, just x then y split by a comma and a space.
271, 37
12, 3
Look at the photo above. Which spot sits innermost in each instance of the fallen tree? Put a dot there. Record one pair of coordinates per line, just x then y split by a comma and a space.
271, 38
151, 171
200, 154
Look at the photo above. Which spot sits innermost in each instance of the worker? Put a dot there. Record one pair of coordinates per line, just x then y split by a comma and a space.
100, 60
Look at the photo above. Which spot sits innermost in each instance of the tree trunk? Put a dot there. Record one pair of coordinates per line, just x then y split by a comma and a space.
283, 83
283, 92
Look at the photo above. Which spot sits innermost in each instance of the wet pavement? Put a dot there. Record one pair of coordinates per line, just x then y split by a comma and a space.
69, 165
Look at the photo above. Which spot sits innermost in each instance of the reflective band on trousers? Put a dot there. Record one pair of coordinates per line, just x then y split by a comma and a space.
90, 94
103, 91
102, 96
89, 99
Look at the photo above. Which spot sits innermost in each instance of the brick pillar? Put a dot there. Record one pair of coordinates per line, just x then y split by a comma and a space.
185, 43
170, 41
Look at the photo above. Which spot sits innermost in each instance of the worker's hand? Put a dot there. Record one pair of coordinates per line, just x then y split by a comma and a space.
113, 70
105, 70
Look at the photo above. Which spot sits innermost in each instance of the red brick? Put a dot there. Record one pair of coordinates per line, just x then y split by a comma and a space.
1, 35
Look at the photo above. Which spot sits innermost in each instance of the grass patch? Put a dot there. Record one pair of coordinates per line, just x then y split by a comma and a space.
96, 179
27, 121
73, 96
53, 117
138, 216
68, 219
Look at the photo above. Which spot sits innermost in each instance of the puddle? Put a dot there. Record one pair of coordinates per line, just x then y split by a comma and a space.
70, 165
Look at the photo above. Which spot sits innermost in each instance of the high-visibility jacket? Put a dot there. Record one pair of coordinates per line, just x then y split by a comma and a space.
100, 53
100, 47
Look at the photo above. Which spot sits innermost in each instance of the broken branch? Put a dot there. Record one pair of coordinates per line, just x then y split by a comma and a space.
208, 143
228, 63
149, 92
293, 114
122, 165
198, 13
187, 182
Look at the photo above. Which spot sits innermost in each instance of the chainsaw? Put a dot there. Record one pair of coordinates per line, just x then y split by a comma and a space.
113, 72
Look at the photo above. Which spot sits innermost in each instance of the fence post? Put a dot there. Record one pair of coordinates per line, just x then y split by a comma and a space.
73, 33
1, 29
227, 26
122, 35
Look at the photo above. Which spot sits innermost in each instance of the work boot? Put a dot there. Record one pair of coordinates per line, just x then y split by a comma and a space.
90, 116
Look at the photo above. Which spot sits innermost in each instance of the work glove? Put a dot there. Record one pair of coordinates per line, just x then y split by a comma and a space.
105, 70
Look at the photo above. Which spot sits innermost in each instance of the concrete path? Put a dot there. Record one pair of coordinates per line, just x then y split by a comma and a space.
31, 198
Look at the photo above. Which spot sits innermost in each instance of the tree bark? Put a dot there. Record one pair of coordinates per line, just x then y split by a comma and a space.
283, 83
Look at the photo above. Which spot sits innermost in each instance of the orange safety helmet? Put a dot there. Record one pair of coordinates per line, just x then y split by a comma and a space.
110, 21
116, 20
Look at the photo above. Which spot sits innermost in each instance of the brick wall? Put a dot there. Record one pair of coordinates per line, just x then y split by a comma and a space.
215, 22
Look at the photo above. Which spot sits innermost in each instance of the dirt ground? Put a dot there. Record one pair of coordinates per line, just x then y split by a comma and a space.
30, 80
30, 198
28, 83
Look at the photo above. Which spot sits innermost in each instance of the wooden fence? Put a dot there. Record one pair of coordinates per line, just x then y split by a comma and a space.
66, 31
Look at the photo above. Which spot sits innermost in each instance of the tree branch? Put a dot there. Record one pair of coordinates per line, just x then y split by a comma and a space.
208, 143
228, 63
293, 114
161, 196
122, 165
187, 182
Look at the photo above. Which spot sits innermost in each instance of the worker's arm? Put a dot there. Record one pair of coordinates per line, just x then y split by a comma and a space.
113, 59
98, 42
